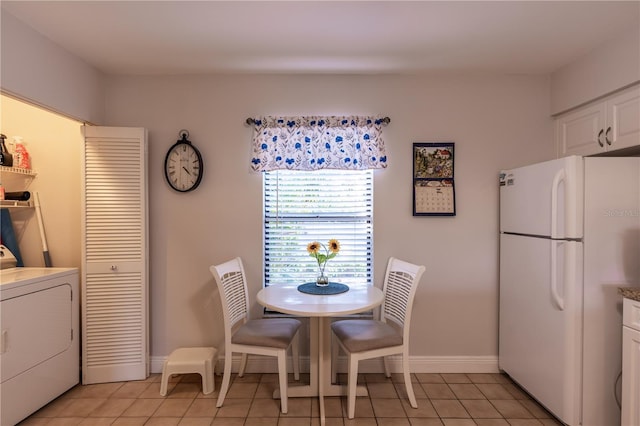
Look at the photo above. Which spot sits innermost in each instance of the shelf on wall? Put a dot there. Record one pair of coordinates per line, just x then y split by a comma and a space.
16, 178
19, 171
15, 204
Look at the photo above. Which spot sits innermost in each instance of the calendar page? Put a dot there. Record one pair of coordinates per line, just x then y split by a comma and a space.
433, 182
434, 197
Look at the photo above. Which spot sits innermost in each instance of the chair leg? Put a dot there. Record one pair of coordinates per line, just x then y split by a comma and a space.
243, 364
295, 355
407, 380
208, 382
282, 374
385, 362
165, 381
351, 386
335, 351
225, 379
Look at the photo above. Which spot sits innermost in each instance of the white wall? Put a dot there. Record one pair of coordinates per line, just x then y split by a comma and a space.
606, 68
34, 68
496, 122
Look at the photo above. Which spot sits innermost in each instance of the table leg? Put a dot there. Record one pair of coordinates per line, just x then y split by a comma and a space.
314, 350
324, 366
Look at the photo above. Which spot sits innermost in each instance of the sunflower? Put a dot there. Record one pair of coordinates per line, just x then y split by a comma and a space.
322, 254
313, 247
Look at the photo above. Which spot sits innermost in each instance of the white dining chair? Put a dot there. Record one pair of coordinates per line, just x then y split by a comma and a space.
265, 336
389, 335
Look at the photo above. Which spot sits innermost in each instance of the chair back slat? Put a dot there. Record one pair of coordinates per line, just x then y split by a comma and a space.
235, 295
399, 287
397, 296
230, 278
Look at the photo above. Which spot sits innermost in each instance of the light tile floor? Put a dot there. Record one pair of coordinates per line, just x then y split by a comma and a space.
443, 400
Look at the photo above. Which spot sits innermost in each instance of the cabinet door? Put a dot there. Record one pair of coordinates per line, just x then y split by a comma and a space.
623, 120
581, 132
630, 377
115, 251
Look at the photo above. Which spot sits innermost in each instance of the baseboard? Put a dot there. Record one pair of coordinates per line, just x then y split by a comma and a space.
451, 364
419, 364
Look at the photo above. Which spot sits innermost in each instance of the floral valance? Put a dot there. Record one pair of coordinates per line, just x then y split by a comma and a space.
313, 143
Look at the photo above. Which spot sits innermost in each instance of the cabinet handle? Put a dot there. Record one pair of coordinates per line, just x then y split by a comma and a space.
606, 136
600, 138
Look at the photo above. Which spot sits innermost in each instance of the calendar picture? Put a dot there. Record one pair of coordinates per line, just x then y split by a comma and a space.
433, 179
433, 160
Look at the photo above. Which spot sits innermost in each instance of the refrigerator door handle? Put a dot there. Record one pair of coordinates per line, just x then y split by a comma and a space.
557, 179
555, 295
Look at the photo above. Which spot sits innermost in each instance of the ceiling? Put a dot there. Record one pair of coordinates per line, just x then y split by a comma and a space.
202, 37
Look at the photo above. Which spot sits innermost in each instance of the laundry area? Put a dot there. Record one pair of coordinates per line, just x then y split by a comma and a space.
40, 185
48, 190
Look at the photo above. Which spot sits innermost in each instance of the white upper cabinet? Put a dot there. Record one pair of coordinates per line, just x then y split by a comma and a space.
623, 120
609, 124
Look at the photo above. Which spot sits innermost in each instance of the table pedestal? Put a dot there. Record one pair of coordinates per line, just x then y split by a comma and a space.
320, 368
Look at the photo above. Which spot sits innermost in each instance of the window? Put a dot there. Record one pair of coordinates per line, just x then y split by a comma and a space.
305, 206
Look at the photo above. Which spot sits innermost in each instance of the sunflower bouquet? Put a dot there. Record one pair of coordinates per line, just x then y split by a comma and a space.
323, 254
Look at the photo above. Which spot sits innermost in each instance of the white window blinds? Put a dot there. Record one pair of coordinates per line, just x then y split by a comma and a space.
305, 206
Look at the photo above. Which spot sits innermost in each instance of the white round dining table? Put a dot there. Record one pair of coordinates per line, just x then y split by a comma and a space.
286, 298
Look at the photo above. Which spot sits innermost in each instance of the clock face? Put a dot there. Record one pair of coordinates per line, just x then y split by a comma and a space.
183, 167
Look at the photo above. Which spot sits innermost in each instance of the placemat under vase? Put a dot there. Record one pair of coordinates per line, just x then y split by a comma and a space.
331, 288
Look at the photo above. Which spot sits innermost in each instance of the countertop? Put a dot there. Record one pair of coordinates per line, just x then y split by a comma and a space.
632, 293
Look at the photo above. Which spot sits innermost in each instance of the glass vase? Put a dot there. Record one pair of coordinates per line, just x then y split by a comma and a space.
322, 280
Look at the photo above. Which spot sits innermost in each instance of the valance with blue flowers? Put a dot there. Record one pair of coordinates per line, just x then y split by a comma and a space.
313, 143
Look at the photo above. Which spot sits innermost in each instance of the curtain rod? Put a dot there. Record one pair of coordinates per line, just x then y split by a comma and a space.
385, 121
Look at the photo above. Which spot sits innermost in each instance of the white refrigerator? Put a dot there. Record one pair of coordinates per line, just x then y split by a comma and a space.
569, 237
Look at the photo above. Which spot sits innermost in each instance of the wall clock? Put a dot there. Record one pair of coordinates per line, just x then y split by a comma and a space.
183, 166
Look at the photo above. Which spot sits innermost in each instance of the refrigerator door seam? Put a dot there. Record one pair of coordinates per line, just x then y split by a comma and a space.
544, 237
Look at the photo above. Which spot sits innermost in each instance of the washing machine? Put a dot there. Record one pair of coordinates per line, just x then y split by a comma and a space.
39, 336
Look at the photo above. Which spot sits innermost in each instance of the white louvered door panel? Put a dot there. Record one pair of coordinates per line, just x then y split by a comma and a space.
115, 269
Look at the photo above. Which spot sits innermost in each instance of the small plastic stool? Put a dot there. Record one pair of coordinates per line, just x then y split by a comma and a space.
190, 360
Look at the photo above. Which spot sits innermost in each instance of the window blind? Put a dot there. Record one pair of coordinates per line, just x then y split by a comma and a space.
305, 206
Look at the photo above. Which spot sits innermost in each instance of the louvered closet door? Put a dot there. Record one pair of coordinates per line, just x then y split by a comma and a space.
115, 270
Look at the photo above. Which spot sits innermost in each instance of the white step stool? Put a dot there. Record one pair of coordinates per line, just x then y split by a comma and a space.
190, 360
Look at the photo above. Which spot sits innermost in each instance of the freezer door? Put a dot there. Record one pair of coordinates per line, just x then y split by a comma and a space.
543, 199
539, 335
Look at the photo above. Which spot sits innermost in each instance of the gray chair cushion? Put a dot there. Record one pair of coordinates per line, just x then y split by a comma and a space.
269, 332
366, 335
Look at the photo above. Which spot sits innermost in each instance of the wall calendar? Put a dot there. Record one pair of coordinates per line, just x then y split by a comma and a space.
433, 179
